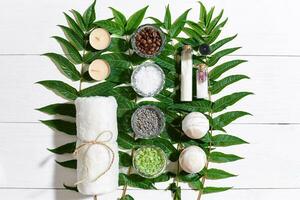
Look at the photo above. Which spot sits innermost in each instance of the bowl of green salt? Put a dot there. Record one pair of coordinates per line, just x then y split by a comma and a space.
149, 161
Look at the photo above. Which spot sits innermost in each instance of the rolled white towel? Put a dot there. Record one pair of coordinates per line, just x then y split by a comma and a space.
97, 149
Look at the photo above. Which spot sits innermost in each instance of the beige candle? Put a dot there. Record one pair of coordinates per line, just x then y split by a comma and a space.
99, 70
99, 39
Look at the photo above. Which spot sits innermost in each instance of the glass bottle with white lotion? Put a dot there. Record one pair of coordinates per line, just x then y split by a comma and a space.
186, 82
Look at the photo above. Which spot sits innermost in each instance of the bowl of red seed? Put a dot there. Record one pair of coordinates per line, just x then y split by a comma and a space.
148, 41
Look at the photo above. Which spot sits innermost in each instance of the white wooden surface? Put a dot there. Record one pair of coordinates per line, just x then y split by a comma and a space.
269, 33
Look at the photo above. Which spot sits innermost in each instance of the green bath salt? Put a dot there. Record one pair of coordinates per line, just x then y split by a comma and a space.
149, 161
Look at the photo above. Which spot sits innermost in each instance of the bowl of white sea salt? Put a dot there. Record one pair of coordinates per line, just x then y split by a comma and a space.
148, 79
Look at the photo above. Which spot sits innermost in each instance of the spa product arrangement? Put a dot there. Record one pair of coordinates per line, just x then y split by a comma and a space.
150, 106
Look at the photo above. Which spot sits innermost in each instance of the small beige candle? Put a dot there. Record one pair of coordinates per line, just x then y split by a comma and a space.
99, 70
99, 39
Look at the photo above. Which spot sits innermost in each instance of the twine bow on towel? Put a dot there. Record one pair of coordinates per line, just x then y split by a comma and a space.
89, 144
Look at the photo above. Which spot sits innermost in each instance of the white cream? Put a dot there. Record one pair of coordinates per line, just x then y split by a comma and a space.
192, 159
186, 86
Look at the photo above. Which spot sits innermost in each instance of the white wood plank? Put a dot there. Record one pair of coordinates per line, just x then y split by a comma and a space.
272, 159
257, 194
258, 22
274, 82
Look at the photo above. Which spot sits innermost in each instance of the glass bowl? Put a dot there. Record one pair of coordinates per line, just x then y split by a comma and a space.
134, 83
149, 161
137, 124
137, 50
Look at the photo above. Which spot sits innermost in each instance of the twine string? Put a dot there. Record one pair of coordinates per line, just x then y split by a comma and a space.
89, 144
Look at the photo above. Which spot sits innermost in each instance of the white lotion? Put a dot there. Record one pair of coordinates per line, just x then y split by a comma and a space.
202, 82
186, 87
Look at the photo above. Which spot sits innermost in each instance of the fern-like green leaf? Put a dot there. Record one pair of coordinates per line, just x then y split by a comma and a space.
224, 119
66, 148
223, 83
217, 71
135, 20
60, 88
65, 109
228, 100
219, 157
61, 125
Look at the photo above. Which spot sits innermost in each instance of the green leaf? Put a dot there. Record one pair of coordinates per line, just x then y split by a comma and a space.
72, 188
125, 141
156, 21
168, 18
214, 22
226, 118
72, 164
74, 26
164, 144
66, 148
202, 16
229, 100
188, 177
125, 159
219, 70
209, 16
213, 36
193, 34
224, 140
61, 125
162, 178
136, 181
118, 45
201, 105
176, 191
101, 89
89, 15
165, 62
215, 174
76, 40
135, 20
127, 197
64, 66
178, 25
196, 185
79, 20
119, 17
209, 190
219, 157
220, 43
70, 51
196, 27
217, 56
111, 26
221, 84
60, 88
114, 59
66, 109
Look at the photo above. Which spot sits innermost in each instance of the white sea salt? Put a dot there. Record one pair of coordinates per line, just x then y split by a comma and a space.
148, 79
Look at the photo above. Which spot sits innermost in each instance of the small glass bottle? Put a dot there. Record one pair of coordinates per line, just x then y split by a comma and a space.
202, 82
186, 84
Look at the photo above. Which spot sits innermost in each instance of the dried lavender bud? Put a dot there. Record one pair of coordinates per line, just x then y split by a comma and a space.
147, 122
